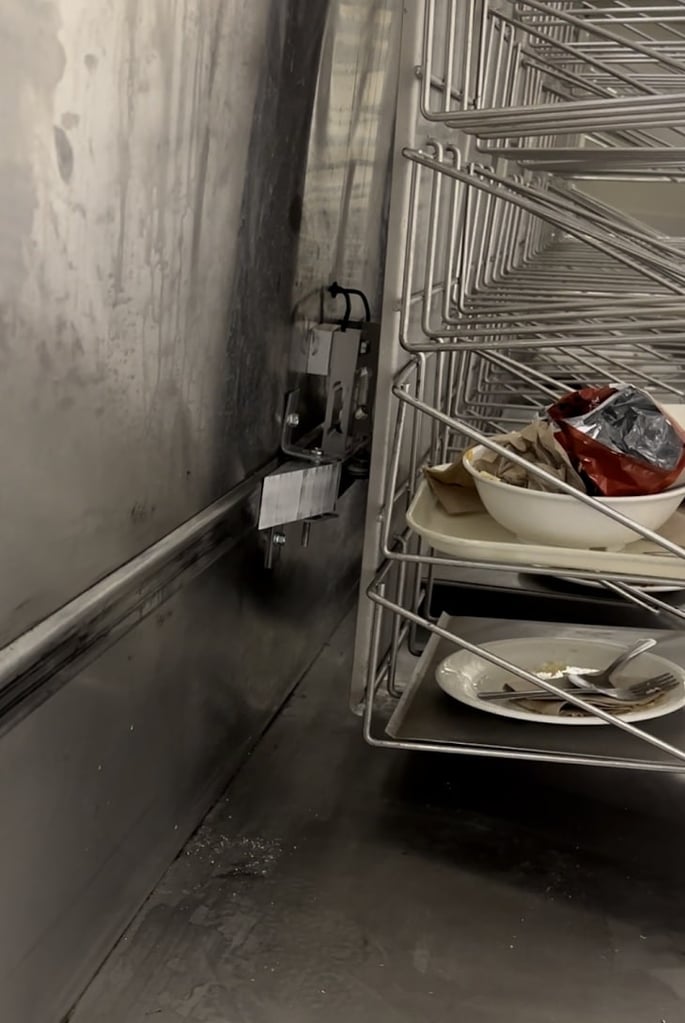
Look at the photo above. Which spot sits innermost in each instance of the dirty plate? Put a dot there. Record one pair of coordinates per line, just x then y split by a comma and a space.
463, 675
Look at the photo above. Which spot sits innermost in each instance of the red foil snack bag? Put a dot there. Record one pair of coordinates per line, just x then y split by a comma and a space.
619, 440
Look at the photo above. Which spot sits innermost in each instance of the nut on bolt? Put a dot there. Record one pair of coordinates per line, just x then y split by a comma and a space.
292, 419
278, 539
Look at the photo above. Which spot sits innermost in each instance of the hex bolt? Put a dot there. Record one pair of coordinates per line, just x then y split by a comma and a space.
292, 419
278, 539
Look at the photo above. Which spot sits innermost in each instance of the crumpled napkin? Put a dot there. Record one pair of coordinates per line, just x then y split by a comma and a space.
536, 443
454, 489
566, 709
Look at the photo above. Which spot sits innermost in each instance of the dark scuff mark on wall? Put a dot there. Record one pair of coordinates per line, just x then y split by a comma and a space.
65, 154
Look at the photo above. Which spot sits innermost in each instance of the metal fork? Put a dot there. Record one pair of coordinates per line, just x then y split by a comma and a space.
598, 679
639, 692
647, 688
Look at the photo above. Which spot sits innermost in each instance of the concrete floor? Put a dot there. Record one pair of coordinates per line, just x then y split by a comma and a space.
339, 883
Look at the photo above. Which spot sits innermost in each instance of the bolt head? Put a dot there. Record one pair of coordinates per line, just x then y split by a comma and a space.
279, 539
292, 420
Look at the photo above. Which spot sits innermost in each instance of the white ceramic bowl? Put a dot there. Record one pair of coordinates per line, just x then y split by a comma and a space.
559, 520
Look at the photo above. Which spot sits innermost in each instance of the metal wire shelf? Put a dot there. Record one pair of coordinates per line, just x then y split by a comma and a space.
523, 73
520, 261
509, 283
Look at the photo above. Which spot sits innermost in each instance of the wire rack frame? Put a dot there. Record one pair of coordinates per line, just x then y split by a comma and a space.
377, 681
400, 595
424, 435
491, 261
473, 306
503, 71
531, 55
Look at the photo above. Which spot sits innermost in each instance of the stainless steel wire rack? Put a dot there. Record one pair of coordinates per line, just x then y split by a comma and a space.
509, 281
601, 86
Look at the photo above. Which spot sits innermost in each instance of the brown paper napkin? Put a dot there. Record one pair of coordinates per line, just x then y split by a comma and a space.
453, 487
537, 444
563, 708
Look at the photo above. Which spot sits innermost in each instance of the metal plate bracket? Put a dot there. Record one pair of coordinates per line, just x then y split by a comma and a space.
298, 490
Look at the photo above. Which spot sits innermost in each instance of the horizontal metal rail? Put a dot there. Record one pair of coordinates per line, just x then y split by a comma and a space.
40, 661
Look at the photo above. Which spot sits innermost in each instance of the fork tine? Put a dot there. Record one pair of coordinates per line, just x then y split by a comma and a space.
661, 680
651, 683
664, 681
648, 687
653, 680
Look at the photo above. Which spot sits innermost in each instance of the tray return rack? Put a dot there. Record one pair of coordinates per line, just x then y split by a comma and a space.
511, 279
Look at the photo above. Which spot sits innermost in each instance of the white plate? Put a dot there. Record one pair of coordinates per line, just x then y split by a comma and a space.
463, 675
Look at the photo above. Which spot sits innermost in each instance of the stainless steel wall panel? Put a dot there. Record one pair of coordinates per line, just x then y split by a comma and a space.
102, 784
345, 204
154, 152
165, 212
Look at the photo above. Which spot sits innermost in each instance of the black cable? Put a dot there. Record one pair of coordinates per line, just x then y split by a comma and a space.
336, 289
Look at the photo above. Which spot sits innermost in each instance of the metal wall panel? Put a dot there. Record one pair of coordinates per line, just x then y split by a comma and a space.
146, 272
165, 215
345, 205
102, 784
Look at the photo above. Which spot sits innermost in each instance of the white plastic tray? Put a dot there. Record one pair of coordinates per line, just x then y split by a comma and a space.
474, 536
